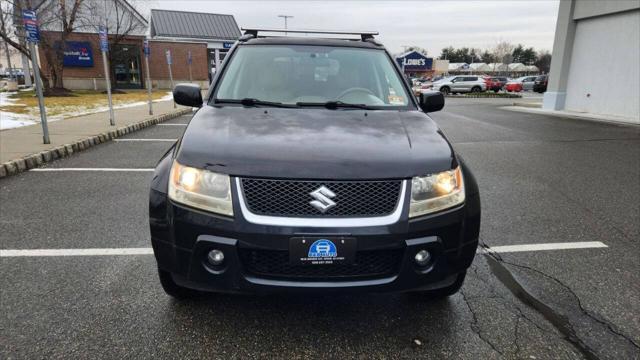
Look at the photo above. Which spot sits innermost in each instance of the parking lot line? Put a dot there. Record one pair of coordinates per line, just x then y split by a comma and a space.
125, 140
91, 169
545, 247
149, 251
75, 252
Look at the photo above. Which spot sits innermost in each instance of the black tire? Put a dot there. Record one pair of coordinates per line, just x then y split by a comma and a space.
476, 89
496, 90
174, 290
445, 291
445, 90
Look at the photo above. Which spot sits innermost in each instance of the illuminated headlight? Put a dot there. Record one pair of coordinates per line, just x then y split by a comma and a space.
436, 192
200, 189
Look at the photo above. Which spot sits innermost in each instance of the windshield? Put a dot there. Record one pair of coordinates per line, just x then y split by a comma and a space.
292, 74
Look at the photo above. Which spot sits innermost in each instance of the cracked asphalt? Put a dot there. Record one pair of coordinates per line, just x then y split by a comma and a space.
542, 180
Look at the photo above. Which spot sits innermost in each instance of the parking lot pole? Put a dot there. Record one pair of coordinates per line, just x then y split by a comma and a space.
30, 22
169, 61
189, 61
104, 46
43, 111
149, 85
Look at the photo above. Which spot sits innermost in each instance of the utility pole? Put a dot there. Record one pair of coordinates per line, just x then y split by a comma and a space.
285, 17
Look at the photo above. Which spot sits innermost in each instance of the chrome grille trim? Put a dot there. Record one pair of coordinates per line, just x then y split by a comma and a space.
389, 219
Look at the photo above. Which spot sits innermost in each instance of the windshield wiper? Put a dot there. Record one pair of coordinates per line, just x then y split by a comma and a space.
252, 102
335, 104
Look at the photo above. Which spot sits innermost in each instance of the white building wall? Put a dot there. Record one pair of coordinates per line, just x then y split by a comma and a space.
604, 75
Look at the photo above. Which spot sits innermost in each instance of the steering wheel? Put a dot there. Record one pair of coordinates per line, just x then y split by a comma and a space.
356, 90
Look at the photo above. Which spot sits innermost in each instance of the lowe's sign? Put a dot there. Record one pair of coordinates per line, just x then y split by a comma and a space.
77, 54
415, 61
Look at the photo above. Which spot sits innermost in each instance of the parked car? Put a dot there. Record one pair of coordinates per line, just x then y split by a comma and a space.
495, 83
513, 86
527, 82
460, 84
311, 167
540, 84
421, 86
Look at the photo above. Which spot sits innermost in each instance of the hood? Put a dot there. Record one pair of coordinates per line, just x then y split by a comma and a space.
309, 143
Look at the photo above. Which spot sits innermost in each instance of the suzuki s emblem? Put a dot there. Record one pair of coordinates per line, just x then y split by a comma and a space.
322, 197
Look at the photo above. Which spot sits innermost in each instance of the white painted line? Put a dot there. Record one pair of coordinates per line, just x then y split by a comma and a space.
544, 247
149, 251
173, 124
90, 169
125, 140
75, 252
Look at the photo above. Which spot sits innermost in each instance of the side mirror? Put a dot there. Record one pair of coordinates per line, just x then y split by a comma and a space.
187, 95
430, 102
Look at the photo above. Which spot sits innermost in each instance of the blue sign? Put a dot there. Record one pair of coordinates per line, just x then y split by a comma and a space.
30, 22
227, 45
145, 48
189, 59
168, 54
104, 39
77, 54
415, 61
322, 248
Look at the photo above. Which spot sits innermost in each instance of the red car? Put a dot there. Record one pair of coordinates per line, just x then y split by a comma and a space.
495, 83
513, 86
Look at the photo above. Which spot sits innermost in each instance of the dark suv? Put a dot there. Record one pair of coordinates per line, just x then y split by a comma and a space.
312, 167
540, 84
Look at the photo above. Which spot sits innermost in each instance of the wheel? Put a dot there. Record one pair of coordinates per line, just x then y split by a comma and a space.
496, 90
445, 90
476, 89
445, 291
174, 290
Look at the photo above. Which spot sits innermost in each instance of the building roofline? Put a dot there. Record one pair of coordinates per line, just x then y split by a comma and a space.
191, 12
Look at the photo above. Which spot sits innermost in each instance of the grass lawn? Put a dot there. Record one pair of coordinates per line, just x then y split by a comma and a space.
26, 103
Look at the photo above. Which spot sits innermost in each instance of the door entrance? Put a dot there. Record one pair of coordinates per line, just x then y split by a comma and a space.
125, 67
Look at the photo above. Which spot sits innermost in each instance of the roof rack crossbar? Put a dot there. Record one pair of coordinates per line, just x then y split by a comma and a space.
364, 35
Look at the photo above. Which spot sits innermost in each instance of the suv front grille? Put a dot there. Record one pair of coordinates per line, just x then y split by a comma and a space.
292, 197
275, 264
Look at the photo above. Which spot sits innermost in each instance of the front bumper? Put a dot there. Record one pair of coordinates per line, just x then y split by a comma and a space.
182, 237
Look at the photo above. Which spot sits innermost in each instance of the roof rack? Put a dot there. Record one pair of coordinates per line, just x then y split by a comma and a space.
253, 32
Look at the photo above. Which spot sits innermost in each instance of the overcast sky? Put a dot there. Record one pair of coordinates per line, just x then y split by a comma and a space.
428, 24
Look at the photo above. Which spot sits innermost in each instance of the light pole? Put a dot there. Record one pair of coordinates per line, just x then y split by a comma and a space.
285, 17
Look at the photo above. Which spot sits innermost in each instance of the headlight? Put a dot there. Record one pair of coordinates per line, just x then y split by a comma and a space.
200, 189
436, 192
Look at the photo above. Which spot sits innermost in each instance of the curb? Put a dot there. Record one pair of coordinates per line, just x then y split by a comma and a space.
28, 162
534, 105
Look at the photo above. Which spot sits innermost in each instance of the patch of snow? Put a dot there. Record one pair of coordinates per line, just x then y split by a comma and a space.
12, 120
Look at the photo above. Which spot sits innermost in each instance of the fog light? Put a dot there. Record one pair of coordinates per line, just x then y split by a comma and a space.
422, 257
216, 257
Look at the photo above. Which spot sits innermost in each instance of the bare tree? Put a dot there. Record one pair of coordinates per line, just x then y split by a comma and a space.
502, 52
121, 19
58, 19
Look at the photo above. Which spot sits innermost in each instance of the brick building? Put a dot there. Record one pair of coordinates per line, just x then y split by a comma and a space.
212, 33
196, 42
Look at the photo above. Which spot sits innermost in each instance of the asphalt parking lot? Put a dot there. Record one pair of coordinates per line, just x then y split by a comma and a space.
543, 180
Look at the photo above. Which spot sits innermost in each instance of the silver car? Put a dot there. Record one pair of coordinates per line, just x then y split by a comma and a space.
527, 82
460, 84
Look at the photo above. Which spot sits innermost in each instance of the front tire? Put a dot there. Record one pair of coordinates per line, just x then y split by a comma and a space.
445, 90
174, 290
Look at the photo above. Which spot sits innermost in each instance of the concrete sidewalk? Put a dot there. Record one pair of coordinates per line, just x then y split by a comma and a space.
23, 141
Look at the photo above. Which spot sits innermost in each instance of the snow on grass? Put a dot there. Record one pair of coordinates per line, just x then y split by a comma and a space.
30, 116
